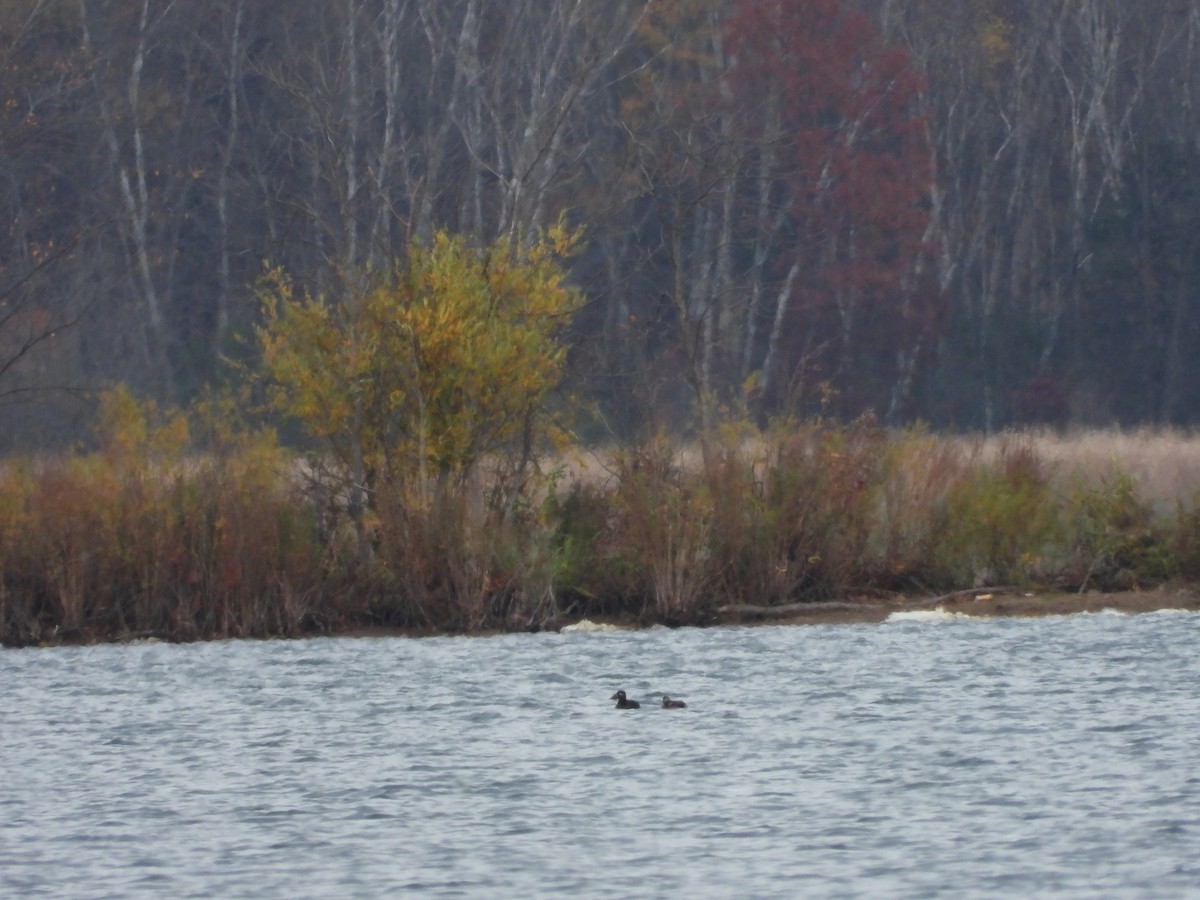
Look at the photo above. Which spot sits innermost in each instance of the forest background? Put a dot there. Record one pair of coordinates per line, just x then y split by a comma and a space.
972, 213
466, 315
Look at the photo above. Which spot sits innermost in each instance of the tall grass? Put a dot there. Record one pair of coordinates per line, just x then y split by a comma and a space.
164, 532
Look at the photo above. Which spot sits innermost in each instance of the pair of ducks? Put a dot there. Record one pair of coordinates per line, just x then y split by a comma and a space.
624, 703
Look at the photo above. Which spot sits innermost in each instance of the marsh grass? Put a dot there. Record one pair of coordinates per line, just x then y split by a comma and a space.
1163, 464
152, 535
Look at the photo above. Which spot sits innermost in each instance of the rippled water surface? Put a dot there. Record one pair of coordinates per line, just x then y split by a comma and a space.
1051, 757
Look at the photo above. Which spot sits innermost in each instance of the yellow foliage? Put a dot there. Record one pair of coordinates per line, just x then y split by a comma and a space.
130, 430
449, 357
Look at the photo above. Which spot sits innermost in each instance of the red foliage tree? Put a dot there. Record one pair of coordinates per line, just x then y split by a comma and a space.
859, 178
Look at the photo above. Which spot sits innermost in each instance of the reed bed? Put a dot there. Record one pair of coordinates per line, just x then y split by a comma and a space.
1163, 463
147, 536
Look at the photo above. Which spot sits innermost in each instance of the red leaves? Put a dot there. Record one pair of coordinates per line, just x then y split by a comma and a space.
849, 101
860, 166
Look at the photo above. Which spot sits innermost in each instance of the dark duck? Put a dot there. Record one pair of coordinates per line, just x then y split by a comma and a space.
668, 703
623, 702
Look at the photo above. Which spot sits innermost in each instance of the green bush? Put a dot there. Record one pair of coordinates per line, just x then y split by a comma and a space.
1117, 543
1001, 525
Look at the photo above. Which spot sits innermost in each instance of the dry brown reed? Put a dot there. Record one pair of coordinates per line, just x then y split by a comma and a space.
1164, 463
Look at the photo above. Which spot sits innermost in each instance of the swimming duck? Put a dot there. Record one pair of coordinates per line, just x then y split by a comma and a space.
668, 703
622, 703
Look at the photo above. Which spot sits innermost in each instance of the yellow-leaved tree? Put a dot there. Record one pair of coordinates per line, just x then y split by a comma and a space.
445, 360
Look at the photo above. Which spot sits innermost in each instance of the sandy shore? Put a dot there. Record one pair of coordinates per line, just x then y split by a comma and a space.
986, 602
994, 602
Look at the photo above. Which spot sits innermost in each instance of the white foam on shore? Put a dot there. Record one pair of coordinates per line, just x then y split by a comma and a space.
941, 614
937, 614
586, 626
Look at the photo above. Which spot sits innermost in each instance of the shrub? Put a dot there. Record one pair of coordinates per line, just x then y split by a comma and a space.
141, 538
1115, 541
1002, 522
663, 519
595, 571
920, 474
428, 370
817, 509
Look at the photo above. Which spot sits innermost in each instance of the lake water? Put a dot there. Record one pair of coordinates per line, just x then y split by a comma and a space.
921, 757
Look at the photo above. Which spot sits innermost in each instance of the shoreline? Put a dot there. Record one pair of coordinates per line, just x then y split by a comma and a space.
983, 603
999, 604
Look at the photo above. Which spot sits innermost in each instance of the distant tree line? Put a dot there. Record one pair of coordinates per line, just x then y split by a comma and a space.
971, 212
